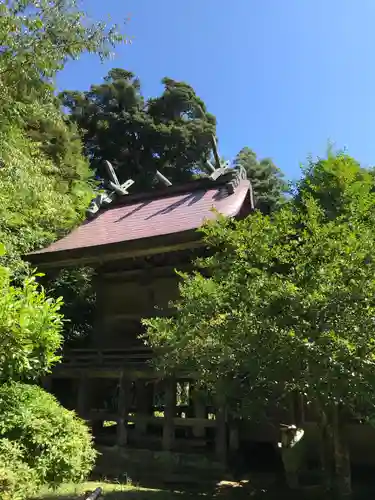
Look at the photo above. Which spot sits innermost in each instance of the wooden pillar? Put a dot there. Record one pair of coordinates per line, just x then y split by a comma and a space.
200, 412
144, 404
83, 397
169, 414
221, 431
234, 437
123, 405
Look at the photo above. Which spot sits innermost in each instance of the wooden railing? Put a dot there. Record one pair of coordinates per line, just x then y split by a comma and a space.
106, 357
102, 415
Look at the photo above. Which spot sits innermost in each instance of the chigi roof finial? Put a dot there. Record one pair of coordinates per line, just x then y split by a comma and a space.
106, 198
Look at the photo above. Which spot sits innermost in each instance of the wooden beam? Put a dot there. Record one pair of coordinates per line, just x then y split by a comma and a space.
180, 443
177, 421
134, 371
130, 274
94, 256
115, 317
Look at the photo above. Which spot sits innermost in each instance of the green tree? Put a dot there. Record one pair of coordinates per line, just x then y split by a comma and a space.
37, 38
333, 183
267, 180
45, 182
288, 306
171, 133
36, 204
30, 329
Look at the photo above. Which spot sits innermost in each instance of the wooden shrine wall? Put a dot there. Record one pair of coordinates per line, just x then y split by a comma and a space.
123, 301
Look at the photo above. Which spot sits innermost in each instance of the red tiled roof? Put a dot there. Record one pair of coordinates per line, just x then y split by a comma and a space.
156, 217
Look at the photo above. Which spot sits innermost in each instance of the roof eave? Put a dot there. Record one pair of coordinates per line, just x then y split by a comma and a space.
97, 255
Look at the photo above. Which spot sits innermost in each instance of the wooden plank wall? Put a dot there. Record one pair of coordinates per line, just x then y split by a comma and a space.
121, 304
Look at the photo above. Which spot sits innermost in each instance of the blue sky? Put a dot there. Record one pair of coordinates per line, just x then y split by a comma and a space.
283, 77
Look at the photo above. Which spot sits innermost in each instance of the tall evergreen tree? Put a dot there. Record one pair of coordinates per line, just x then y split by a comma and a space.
268, 181
171, 133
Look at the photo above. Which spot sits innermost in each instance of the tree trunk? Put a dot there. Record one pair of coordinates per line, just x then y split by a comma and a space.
341, 454
326, 452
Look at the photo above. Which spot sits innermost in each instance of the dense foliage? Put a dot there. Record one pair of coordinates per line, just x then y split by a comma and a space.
50, 440
36, 205
30, 329
289, 303
45, 186
267, 180
37, 37
171, 133
44, 179
334, 184
17, 480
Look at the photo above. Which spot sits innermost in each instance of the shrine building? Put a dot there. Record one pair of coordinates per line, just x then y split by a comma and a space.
134, 246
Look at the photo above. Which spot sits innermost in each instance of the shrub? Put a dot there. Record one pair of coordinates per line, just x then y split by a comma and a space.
17, 479
52, 441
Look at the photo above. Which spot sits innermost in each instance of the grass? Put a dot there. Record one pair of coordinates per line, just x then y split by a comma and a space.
111, 491
73, 491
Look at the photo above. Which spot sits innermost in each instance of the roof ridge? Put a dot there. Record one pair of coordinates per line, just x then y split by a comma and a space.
230, 179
